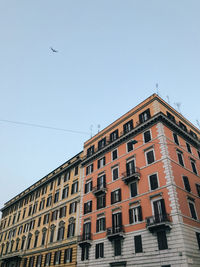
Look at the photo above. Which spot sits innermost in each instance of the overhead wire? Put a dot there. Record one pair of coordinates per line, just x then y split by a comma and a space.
42, 126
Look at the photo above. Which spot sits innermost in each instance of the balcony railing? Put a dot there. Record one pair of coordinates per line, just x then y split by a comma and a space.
156, 222
131, 175
85, 238
99, 189
115, 232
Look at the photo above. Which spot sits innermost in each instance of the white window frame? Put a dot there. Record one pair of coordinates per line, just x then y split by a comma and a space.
192, 202
115, 167
147, 151
150, 183
150, 135
127, 146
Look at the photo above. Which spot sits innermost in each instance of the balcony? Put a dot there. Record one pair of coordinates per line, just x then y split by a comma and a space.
158, 222
131, 175
85, 239
115, 232
99, 189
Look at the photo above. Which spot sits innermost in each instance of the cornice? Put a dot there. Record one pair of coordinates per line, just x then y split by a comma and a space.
159, 117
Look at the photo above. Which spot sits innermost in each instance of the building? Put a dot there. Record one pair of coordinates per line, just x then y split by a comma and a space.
39, 226
140, 197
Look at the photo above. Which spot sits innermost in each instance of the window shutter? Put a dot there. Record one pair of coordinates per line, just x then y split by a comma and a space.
134, 189
91, 205
104, 200
68, 230
186, 183
138, 243
127, 169
85, 208
85, 188
104, 223
112, 197
101, 250
130, 216
97, 251
104, 160
71, 251
97, 226
120, 197
120, 218
98, 164
140, 213
86, 170
163, 206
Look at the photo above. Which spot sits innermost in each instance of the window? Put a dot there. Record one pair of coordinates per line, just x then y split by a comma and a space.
23, 242
66, 176
180, 157
101, 224
114, 154
188, 148
18, 217
89, 169
114, 135
31, 261
56, 197
198, 239
85, 253
44, 190
47, 261
49, 200
36, 240
138, 243
116, 196
153, 181
130, 167
170, 116
186, 183
101, 201
46, 218
176, 138
117, 247
68, 255
65, 192
58, 180
198, 153
193, 134
116, 222
130, 146
198, 189
115, 173
147, 136
39, 261
71, 230
61, 231
101, 162
101, 181
162, 240
182, 126
144, 116
192, 209
99, 251
72, 207
51, 185
88, 186
74, 188
30, 211
128, 126
54, 215
76, 170
150, 157
135, 214
63, 212
25, 262
39, 221
159, 210
102, 143
43, 237
193, 165
52, 233
133, 189
88, 207
90, 151
35, 208
57, 256
17, 244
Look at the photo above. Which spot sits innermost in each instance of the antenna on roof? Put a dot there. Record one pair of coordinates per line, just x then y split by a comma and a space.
91, 126
98, 126
178, 104
198, 123
168, 99
157, 92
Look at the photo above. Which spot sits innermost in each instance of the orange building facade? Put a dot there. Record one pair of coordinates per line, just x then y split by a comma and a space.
140, 195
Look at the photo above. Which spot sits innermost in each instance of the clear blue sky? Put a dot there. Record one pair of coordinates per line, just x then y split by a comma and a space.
111, 55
